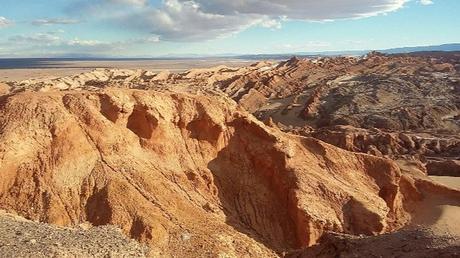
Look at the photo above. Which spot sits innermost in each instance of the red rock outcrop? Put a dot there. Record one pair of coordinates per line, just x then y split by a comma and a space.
389, 144
189, 175
444, 168
312, 104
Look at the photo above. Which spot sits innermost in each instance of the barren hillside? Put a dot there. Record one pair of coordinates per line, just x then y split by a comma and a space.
177, 161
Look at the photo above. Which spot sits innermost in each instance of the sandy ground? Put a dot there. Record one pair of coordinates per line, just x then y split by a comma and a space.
452, 182
441, 214
65, 68
278, 111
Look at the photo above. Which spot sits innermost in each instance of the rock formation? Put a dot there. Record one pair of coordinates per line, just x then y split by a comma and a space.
444, 168
176, 163
389, 144
186, 174
393, 92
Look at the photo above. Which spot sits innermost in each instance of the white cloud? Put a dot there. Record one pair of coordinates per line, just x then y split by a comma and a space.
87, 43
54, 21
147, 40
129, 2
426, 2
194, 20
4, 22
180, 21
52, 43
37, 38
272, 23
316, 10
303, 47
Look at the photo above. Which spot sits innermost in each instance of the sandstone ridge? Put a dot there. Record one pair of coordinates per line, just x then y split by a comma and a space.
188, 174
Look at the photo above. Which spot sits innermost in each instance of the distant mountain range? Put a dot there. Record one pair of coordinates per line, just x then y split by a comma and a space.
444, 47
277, 56
6, 62
402, 50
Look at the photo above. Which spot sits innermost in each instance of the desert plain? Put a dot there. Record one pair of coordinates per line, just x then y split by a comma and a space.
21, 69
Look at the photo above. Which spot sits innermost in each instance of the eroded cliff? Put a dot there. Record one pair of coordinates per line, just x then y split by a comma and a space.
188, 174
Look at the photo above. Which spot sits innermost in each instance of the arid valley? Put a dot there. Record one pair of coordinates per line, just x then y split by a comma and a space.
228, 129
307, 157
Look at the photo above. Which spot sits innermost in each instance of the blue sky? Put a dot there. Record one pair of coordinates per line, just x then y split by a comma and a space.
146, 28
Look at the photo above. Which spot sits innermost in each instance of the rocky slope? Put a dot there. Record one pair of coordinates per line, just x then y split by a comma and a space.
176, 163
406, 243
189, 175
390, 144
376, 91
23, 238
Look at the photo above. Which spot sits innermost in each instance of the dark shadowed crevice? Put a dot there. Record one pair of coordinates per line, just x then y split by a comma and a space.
204, 130
142, 123
98, 210
108, 109
252, 191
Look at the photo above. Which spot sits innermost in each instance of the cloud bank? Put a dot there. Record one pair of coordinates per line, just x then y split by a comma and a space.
53, 44
316, 10
185, 21
54, 21
194, 20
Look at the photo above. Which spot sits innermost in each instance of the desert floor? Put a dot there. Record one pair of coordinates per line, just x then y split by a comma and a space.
65, 68
453, 182
442, 216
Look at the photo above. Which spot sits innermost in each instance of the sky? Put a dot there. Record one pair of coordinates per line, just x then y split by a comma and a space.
153, 28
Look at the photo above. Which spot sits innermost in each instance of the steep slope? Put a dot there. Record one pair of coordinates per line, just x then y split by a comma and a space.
189, 175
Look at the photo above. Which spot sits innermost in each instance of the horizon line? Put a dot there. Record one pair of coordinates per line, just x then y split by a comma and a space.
358, 52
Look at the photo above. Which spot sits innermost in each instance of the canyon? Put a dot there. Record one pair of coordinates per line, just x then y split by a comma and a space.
298, 158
